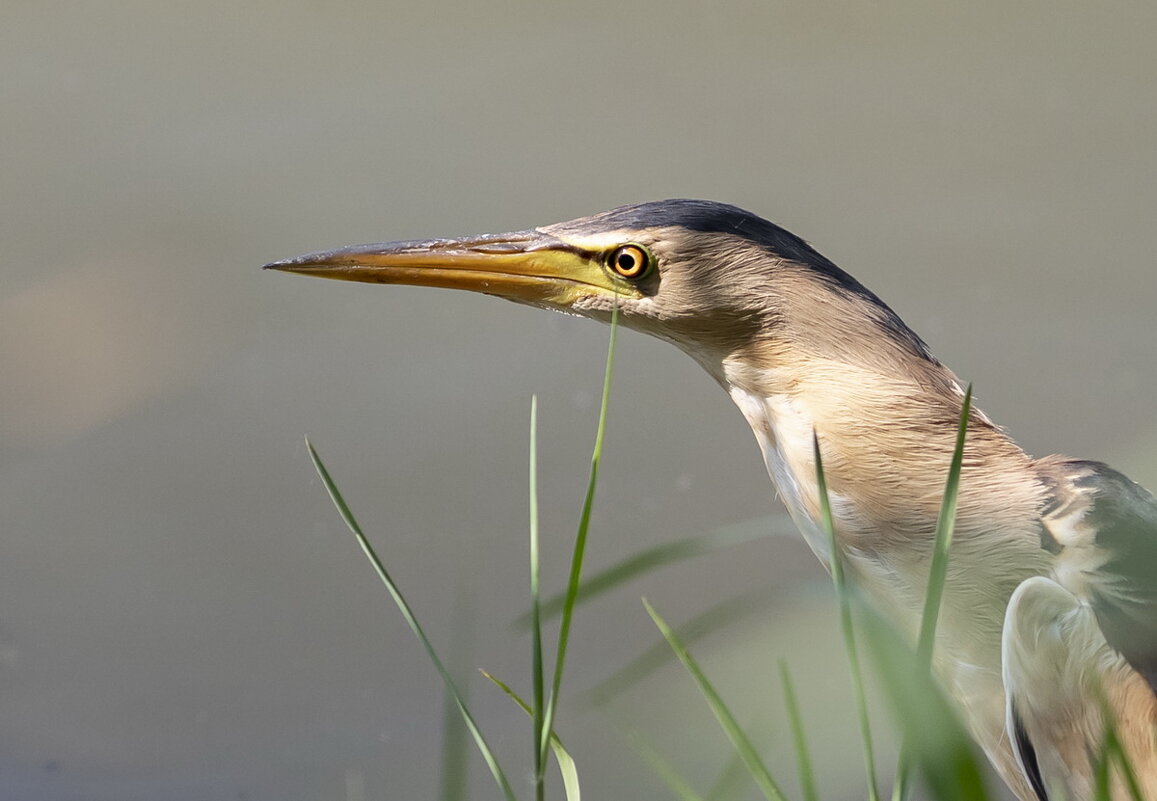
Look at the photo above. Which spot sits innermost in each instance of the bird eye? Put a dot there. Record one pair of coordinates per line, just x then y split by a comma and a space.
630, 261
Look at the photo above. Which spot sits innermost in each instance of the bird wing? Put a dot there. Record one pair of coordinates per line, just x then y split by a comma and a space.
1084, 640
1106, 528
1053, 723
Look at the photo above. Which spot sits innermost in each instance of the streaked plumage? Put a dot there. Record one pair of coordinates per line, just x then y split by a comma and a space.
801, 346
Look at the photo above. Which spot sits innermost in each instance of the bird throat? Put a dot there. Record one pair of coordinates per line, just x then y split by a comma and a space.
784, 431
884, 473
788, 410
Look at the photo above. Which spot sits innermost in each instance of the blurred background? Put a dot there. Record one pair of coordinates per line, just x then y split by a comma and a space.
183, 615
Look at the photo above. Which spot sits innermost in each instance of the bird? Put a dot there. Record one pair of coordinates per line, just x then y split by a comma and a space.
1048, 626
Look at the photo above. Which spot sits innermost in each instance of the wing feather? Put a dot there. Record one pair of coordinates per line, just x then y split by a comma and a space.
1107, 527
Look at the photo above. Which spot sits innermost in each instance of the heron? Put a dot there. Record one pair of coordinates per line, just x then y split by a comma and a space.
1048, 626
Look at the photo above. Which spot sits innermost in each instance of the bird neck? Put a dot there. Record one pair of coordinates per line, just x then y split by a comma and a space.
886, 427
887, 440
886, 432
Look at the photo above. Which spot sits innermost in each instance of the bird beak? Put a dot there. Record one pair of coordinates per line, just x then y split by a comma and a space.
527, 266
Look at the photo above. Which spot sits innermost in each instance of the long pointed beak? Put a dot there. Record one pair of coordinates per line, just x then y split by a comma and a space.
526, 266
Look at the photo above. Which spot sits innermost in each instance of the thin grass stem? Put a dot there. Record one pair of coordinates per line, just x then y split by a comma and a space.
807, 779
731, 727
566, 764
538, 714
937, 578
650, 559
663, 768
408, 614
945, 526
579, 546
844, 599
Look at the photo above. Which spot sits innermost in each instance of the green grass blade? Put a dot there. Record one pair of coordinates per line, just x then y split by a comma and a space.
731, 784
938, 744
566, 764
1101, 772
901, 784
735, 733
1112, 751
679, 787
807, 779
843, 597
404, 607
455, 764
945, 526
1127, 769
937, 577
650, 559
452, 774
711, 620
580, 543
538, 715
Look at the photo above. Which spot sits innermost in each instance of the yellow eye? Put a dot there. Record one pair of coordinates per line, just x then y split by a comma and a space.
630, 261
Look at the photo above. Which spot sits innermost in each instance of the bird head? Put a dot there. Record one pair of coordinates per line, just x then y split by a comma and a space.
719, 282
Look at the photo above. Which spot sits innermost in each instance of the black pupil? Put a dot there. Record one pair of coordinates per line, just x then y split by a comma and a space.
626, 262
